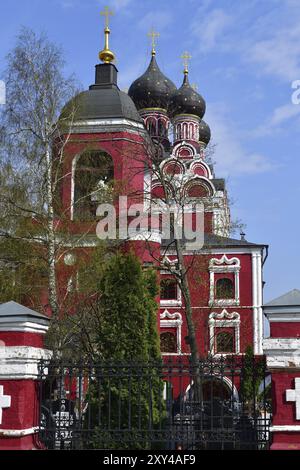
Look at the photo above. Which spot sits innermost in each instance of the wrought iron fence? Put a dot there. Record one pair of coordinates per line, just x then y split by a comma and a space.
216, 404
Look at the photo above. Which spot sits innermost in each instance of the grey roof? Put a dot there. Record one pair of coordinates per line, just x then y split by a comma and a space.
11, 309
215, 241
290, 298
99, 103
103, 99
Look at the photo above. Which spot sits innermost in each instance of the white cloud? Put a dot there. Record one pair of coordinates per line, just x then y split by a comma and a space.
156, 19
231, 157
279, 54
119, 4
210, 27
274, 123
266, 38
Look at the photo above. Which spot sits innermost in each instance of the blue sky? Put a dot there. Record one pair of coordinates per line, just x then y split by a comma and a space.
245, 56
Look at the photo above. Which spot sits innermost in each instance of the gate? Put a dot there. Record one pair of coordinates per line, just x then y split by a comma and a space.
216, 404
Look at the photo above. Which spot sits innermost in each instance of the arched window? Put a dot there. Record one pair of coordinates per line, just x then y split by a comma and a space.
162, 131
93, 180
185, 130
151, 126
168, 289
224, 289
168, 343
224, 342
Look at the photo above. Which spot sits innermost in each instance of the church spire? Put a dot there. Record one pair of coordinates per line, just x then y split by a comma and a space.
153, 36
186, 57
106, 55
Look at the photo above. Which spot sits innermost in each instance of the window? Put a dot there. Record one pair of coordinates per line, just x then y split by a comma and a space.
224, 332
168, 289
224, 281
93, 178
224, 342
170, 339
168, 343
224, 289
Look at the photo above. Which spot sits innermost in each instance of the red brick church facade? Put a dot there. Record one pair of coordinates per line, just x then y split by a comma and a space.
226, 274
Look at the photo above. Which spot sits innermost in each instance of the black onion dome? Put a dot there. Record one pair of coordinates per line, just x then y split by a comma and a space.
204, 132
153, 89
186, 100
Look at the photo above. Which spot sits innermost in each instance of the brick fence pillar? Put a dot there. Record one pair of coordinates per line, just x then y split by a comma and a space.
282, 350
21, 347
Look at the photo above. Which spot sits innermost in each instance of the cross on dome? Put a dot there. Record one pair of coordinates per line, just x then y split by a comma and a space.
106, 55
153, 34
186, 57
107, 13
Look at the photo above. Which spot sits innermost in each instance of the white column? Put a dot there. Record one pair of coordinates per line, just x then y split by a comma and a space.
255, 304
259, 303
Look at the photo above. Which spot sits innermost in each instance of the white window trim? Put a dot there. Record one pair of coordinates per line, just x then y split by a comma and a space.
224, 265
224, 320
172, 266
172, 320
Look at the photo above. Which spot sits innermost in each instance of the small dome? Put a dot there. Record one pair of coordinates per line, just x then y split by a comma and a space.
153, 89
204, 132
103, 103
186, 100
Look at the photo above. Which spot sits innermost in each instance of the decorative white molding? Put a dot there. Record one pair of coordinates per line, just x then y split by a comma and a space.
232, 264
145, 235
224, 320
224, 265
22, 326
200, 180
285, 428
5, 401
282, 353
107, 122
289, 314
183, 145
172, 320
18, 432
21, 362
202, 163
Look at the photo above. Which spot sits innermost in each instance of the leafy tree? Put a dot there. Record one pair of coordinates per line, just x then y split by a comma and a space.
253, 373
30, 163
126, 394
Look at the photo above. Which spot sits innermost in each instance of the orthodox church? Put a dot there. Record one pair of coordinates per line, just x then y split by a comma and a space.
111, 137
149, 147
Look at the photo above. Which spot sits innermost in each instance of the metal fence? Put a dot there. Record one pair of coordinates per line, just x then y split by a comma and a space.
215, 404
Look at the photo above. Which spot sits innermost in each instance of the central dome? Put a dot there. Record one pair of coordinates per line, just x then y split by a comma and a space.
153, 89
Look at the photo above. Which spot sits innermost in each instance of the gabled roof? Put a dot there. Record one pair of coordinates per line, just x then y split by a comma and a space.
215, 241
290, 298
10, 309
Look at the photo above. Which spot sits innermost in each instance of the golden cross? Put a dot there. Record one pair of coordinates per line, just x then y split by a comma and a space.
107, 13
186, 57
153, 35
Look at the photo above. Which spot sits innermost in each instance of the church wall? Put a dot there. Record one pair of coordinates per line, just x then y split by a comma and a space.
284, 329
